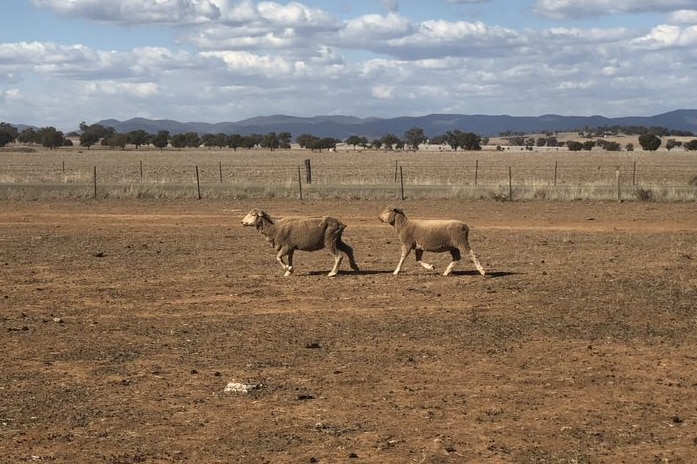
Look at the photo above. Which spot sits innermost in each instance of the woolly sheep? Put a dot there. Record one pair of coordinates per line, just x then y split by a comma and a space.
435, 235
306, 234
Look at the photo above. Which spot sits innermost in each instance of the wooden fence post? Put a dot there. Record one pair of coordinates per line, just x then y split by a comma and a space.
220, 170
300, 184
476, 172
95, 182
141, 170
198, 183
510, 183
308, 171
634, 174
555, 172
401, 183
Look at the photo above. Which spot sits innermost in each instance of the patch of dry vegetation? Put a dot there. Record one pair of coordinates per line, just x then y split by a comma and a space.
37, 173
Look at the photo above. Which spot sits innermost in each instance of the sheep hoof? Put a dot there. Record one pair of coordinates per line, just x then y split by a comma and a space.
332, 274
289, 271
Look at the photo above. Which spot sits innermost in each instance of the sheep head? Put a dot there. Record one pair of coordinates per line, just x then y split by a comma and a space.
255, 217
388, 215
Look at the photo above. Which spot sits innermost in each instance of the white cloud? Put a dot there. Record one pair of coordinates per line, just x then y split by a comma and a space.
136, 11
667, 36
574, 9
237, 59
683, 17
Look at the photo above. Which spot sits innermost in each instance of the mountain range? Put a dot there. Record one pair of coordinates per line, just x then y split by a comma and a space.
341, 127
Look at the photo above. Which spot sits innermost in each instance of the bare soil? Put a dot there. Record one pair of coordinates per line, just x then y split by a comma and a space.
122, 322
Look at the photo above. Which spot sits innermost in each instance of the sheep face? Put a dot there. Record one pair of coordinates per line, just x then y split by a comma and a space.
388, 215
254, 217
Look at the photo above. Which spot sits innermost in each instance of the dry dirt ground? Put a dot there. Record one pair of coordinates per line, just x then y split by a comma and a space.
122, 322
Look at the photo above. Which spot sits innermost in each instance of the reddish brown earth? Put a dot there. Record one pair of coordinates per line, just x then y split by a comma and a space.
122, 322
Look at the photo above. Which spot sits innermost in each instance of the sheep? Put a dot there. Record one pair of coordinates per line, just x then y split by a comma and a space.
306, 234
436, 235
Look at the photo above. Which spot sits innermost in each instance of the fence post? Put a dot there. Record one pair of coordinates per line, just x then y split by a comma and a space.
619, 188
198, 183
141, 170
63, 168
476, 172
401, 183
95, 182
308, 171
634, 174
220, 169
510, 183
555, 172
300, 184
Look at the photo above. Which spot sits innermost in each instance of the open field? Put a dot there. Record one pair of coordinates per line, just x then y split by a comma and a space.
147, 173
124, 320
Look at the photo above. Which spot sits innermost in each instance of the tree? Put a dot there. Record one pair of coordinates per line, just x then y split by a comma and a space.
28, 136
178, 141
161, 139
389, 141
270, 141
414, 137
305, 139
672, 143
234, 141
90, 135
192, 140
574, 145
50, 137
470, 141
284, 139
8, 134
116, 140
691, 145
208, 140
649, 142
88, 138
588, 145
138, 138
356, 140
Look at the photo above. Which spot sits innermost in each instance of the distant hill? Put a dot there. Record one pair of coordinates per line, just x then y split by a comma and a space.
342, 127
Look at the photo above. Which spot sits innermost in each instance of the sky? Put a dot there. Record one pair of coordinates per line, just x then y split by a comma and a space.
63, 62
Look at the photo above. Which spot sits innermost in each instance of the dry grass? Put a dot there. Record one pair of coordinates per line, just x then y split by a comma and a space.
35, 173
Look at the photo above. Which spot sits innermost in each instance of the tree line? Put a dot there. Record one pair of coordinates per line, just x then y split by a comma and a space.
94, 134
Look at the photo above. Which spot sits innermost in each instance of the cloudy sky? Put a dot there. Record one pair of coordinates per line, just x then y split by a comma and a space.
67, 61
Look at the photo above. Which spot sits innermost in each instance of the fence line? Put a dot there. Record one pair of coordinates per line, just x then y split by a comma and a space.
402, 179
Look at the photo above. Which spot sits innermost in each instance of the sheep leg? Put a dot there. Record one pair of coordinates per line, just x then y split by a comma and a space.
337, 263
288, 267
405, 253
455, 254
418, 253
344, 247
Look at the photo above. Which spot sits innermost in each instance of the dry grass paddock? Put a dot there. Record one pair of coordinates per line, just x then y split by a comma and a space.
214, 173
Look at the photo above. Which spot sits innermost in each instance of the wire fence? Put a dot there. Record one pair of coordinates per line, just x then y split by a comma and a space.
326, 177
